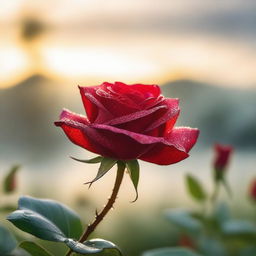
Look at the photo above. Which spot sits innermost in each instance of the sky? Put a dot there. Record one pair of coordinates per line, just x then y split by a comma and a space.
90, 41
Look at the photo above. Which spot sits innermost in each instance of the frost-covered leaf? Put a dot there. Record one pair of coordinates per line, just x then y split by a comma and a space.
80, 248
183, 219
237, 227
46, 219
7, 241
222, 213
211, 247
100, 247
36, 224
62, 216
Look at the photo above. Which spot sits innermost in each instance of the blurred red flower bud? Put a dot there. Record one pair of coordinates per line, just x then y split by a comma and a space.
222, 156
186, 241
252, 190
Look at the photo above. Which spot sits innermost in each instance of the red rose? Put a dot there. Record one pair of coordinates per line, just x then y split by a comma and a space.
129, 122
252, 191
222, 156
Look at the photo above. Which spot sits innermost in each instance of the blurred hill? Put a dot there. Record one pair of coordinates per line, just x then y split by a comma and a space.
28, 110
225, 115
27, 113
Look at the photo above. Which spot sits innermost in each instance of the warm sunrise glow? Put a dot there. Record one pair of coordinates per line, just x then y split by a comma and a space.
14, 65
88, 43
96, 62
183, 58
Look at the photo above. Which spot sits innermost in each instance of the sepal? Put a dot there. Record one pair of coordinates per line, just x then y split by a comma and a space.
94, 160
133, 169
105, 165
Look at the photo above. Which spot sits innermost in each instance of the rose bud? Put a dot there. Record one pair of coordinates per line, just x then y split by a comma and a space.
127, 122
222, 156
252, 191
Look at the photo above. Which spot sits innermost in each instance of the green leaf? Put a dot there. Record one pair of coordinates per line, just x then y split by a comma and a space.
211, 247
170, 252
80, 248
183, 219
237, 227
7, 241
37, 225
59, 214
97, 247
34, 249
94, 160
105, 166
195, 188
46, 219
108, 248
10, 179
133, 168
222, 213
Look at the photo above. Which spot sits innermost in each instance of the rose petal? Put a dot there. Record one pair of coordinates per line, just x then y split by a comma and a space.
141, 121
108, 140
143, 96
121, 93
108, 100
140, 125
151, 102
77, 136
134, 116
69, 123
146, 91
134, 96
118, 102
169, 118
103, 140
182, 139
67, 114
95, 110
101, 105
121, 144
141, 138
164, 155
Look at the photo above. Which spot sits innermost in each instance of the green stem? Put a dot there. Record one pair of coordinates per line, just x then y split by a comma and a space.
215, 192
100, 216
227, 187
